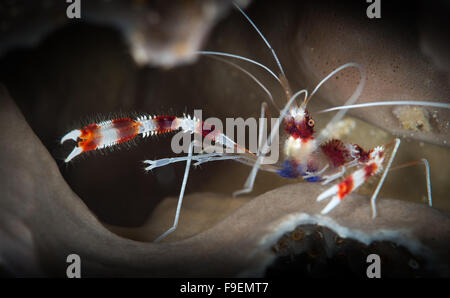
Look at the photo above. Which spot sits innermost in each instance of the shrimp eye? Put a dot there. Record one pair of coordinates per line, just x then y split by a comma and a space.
311, 122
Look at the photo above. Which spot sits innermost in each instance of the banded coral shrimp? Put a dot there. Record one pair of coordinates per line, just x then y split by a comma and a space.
299, 127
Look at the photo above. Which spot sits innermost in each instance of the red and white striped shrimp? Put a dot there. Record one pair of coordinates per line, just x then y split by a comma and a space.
313, 156
308, 155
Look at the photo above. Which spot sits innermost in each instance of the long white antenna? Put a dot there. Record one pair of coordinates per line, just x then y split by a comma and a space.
251, 76
339, 115
389, 103
240, 58
263, 38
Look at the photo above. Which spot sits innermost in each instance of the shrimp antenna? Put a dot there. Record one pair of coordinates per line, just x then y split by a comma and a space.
251, 76
240, 58
388, 103
324, 133
332, 74
262, 37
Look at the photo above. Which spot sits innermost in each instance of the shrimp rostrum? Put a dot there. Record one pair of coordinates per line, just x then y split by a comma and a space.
308, 155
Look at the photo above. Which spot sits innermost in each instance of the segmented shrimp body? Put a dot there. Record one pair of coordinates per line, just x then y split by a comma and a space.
307, 159
309, 155
313, 156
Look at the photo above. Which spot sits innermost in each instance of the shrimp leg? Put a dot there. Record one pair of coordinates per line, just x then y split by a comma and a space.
180, 197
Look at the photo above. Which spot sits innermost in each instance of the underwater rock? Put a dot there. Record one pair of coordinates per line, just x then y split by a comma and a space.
309, 244
200, 212
163, 33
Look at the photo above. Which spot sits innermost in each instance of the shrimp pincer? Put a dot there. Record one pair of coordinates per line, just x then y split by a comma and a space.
113, 132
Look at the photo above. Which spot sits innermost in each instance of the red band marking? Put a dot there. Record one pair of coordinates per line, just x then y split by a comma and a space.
300, 129
345, 187
208, 130
337, 153
369, 170
91, 137
164, 123
363, 156
126, 128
